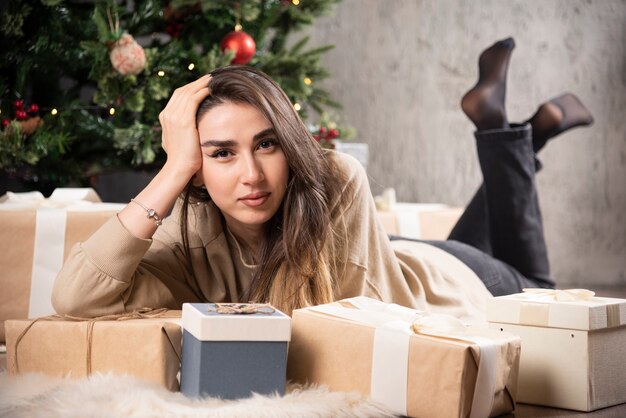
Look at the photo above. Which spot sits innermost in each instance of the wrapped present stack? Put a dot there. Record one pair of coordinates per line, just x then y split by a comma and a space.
573, 353
145, 344
415, 364
36, 235
232, 350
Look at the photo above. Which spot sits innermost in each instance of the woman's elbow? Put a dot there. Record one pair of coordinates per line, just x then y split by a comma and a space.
76, 306
65, 302
75, 297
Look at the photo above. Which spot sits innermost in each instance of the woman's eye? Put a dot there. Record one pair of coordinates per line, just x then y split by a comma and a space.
268, 143
220, 154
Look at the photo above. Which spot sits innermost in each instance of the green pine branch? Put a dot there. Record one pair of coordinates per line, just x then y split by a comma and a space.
55, 53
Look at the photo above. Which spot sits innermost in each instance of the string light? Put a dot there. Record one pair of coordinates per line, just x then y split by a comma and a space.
297, 107
191, 66
54, 111
161, 73
295, 2
307, 81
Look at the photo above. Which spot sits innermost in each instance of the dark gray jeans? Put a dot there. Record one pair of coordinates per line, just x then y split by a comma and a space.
500, 234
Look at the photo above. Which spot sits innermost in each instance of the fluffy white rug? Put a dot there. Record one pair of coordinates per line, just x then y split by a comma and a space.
39, 396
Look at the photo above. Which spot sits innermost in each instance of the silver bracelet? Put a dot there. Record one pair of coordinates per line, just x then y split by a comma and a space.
151, 213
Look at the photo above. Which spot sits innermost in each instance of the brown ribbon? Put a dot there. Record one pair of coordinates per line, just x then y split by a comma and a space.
242, 308
141, 313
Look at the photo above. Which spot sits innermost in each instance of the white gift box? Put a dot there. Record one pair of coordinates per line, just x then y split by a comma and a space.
233, 354
419, 220
573, 346
358, 150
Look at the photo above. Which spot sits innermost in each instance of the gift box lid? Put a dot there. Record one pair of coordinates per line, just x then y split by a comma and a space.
572, 309
67, 199
203, 321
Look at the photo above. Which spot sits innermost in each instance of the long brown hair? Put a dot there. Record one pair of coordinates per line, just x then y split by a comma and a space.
298, 257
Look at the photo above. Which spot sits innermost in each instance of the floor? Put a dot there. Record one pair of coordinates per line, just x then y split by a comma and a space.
528, 411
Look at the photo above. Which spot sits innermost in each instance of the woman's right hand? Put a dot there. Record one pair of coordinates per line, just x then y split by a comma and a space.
180, 135
181, 142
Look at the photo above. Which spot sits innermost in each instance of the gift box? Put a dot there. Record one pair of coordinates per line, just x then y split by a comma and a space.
233, 350
416, 364
573, 343
420, 220
145, 344
36, 235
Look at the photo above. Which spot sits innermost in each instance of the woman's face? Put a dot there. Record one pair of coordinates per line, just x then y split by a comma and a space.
243, 167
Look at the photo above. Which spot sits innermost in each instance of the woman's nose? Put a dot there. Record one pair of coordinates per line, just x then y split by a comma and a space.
252, 171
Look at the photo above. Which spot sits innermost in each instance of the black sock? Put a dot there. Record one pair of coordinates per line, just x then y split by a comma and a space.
484, 103
557, 116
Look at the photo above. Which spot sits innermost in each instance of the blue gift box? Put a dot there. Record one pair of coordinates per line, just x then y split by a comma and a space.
230, 355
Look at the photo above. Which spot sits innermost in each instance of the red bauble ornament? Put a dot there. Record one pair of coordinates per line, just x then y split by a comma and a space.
5, 123
18, 104
21, 115
333, 133
33, 108
243, 45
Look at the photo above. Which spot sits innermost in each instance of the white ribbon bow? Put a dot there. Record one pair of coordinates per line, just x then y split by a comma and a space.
60, 198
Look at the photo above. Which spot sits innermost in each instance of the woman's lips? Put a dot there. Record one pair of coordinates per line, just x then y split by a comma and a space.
255, 199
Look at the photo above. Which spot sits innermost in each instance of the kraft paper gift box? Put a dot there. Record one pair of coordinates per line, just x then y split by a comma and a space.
573, 346
145, 344
232, 350
420, 220
445, 369
36, 235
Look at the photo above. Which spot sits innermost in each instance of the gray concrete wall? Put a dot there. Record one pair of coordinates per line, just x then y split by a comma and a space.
400, 68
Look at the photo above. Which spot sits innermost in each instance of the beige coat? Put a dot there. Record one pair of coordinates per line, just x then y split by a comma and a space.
113, 271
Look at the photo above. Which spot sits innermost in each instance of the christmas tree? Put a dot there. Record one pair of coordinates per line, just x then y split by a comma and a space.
82, 83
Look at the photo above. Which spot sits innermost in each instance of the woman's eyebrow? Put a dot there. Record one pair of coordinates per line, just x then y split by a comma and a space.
226, 143
229, 143
263, 134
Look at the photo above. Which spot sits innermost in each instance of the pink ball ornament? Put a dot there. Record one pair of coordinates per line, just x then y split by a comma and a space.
127, 56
